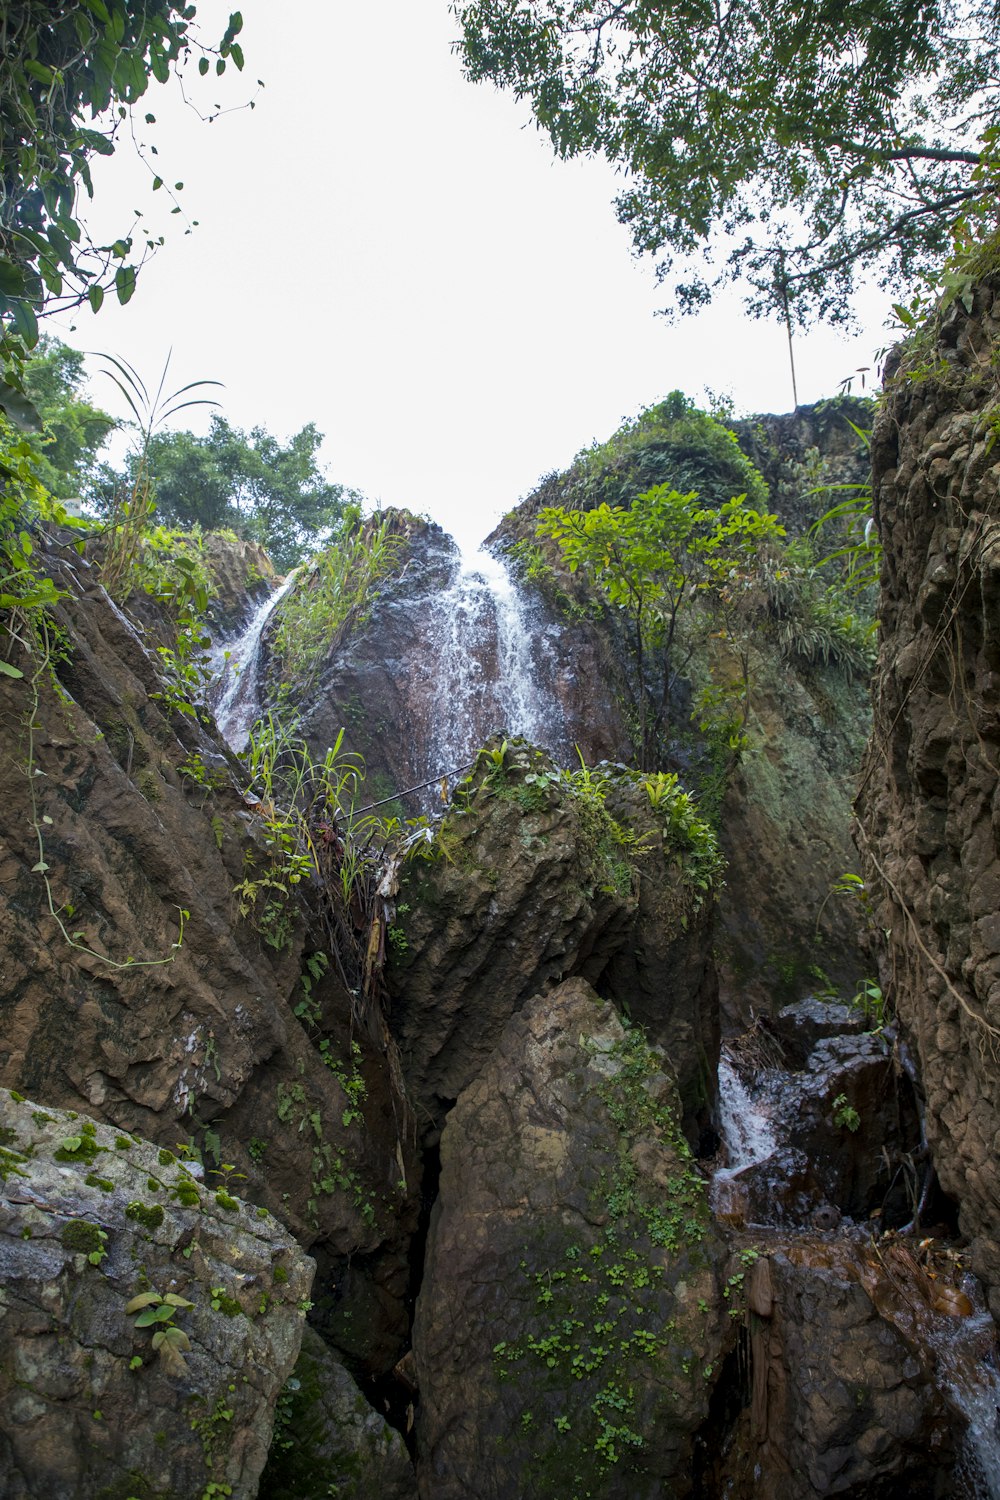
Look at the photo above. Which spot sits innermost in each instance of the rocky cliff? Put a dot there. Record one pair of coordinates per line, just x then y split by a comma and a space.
479, 1086
927, 808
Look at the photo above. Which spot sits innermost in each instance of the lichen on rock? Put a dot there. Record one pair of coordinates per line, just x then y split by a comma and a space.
118, 1375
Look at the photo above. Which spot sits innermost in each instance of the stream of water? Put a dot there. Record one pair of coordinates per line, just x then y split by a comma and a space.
234, 692
960, 1348
493, 669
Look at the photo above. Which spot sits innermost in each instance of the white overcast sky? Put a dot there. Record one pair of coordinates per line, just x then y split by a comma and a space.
393, 253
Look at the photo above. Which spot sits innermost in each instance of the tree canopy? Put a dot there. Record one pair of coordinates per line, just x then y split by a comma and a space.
792, 146
70, 72
73, 428
252, 483
651, 561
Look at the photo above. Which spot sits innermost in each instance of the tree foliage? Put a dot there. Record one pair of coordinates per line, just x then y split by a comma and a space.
70, 73
252, 483
671, 442
792, 146
73, 428
652, 560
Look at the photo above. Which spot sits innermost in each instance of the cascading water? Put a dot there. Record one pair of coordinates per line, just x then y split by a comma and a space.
747, 1131
490, 666
972, 1385
234, 693
959, 1349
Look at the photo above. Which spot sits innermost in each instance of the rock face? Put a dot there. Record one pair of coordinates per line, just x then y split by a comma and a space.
330, 1440
136, 815
569, 1328
534, 881
802, 453
785, 831
839, 1403
928, 807
91, 1218
448, 657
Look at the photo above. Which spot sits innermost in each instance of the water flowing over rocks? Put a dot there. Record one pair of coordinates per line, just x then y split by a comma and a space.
451, 654
928, 803
89, 1219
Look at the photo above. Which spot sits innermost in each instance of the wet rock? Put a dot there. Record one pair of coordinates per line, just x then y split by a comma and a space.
569, 1327
844, 1408
390, 683
853, 1124
329, 1440
91, 1218
783, 1189
801, 1026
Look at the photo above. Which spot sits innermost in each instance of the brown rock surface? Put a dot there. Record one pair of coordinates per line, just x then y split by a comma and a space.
840, 1403
569, 1327
137, 815
929, 809
530, 886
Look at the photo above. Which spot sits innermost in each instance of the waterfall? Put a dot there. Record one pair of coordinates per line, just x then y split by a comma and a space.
234, 692
957, 1348
972, 1386
493, 670
748, 1136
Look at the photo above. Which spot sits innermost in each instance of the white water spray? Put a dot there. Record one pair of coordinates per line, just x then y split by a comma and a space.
490, 665
234, 694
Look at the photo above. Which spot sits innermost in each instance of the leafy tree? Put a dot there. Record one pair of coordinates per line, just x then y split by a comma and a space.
671, 442
73, 429
794, 146
70, 72
272, 492
652, 560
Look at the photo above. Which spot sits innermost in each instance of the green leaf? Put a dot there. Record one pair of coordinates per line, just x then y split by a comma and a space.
144, 1299
38, 70
203, 66
125, 283
6, 670
25, 322
95, 296
19, 409
150, 1315
12, 279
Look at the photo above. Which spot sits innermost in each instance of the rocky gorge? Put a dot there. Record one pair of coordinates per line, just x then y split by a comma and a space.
377, 1150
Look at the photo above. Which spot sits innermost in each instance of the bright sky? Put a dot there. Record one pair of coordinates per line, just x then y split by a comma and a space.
393, 253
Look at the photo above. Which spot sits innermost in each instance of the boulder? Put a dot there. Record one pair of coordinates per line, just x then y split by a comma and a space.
530, 878
838, 1403
570, 1325
329, 1440
149, 1318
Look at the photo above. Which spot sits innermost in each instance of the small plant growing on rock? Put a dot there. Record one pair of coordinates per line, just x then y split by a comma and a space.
845, 1116
156, 1311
